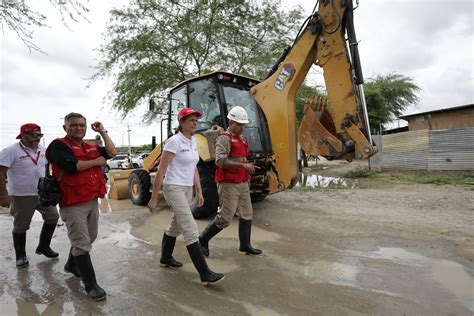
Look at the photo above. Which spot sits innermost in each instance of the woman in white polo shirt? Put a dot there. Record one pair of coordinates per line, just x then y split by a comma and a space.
178, 167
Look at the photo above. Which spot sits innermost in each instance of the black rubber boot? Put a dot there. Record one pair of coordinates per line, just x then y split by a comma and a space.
167, 247
210, 231
94, 291
45, 240
19, 243
71, 265
245, 227
207, 276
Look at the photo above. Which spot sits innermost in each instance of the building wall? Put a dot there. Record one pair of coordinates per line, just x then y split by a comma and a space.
447, 149
462, 118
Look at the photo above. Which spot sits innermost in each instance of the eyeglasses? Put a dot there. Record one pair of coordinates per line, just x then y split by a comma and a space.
35, 135
76, 126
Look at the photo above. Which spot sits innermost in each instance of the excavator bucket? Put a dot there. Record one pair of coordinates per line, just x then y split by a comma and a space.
318, 135
119, 184
313, 135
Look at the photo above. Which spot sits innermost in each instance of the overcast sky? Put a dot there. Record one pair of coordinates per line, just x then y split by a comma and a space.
429, 41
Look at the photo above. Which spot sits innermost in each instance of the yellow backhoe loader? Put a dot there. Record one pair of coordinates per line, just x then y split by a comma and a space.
336, 129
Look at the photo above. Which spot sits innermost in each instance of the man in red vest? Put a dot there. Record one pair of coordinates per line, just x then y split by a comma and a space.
78, 167
24, 162
232, 177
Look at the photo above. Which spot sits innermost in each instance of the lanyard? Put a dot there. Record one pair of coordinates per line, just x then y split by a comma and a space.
35, 161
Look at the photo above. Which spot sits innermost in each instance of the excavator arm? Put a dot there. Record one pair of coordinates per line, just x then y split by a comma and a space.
336, 128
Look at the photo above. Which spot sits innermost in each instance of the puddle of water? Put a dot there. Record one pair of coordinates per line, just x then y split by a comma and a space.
453, 277
260, 310
122, 237
12, 306
189, 310
450, 275
320, 271
317, 181
399, 255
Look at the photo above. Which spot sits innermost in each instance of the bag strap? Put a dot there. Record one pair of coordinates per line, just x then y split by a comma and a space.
62, 171
60, 175
48, 173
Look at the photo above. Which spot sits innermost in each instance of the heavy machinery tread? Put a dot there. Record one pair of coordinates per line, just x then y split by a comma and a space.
142, 194
209, 191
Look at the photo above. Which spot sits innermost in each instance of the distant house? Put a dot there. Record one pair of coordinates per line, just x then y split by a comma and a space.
455, 117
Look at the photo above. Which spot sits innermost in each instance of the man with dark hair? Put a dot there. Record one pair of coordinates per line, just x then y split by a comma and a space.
79, 166
24, 163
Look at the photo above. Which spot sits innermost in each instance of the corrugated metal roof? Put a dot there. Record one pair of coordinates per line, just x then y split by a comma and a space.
454, 108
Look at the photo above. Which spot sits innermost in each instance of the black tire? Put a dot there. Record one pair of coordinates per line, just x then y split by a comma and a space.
209, 191
139, 187
135, 165
106, 168
257, 197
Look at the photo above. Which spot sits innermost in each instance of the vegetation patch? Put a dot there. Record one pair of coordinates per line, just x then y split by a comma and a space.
360, 173
437, 178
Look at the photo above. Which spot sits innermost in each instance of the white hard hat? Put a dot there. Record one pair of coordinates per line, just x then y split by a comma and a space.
239, 115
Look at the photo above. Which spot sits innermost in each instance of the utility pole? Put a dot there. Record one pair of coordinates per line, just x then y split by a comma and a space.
129, 147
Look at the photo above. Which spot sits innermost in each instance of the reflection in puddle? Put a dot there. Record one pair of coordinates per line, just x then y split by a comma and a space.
320, 271
121, 236
449, 274
317, 181
260, 310
12, 306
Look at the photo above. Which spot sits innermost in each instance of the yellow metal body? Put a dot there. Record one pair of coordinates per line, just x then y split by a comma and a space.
118, 180
320, 133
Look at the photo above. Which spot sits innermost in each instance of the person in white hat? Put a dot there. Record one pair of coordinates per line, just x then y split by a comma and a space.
232, 177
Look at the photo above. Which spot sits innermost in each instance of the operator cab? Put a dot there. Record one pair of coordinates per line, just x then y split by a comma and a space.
215, 95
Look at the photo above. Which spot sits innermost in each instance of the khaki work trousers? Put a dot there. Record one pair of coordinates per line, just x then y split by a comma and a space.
22, 209
82, 223
233, 198
182, 222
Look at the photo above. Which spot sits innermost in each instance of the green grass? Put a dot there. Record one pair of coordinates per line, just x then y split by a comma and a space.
359, 173
437, 178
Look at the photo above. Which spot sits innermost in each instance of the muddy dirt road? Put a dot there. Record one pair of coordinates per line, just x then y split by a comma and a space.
388, 250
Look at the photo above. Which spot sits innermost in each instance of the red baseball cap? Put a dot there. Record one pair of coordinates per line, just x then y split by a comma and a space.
185, 112
29, 127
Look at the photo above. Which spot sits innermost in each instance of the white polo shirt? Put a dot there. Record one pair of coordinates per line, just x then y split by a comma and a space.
182, 167
23, 173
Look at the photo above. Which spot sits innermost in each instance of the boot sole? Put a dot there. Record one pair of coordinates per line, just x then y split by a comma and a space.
99, 298
244, 253
212, 283
66, 270
41, 253
23, 265
164, 265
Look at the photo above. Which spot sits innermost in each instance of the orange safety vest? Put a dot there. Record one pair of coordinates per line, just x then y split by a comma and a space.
82, 186
239, 149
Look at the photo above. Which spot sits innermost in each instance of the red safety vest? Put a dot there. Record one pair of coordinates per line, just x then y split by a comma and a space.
239, 149
82, 186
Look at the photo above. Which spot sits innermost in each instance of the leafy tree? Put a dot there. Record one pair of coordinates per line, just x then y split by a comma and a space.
18, 16
152, 44
387, 96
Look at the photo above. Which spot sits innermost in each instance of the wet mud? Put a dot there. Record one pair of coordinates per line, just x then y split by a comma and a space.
347, 251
